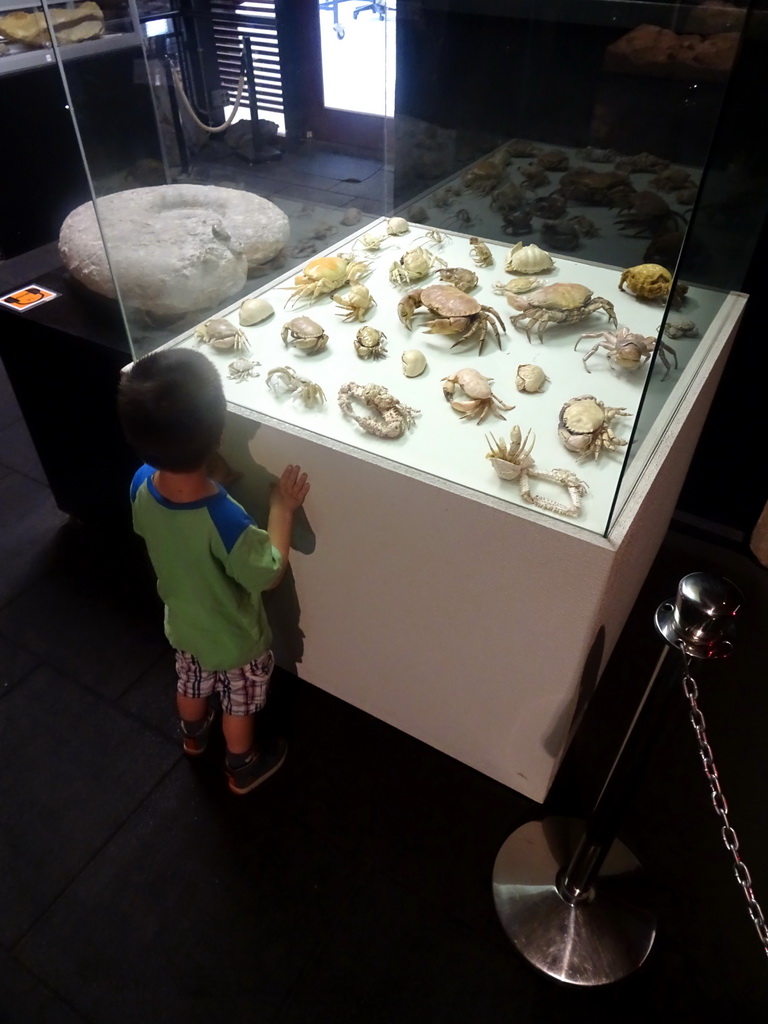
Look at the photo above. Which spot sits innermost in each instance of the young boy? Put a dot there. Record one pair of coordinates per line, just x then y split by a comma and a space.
211, 560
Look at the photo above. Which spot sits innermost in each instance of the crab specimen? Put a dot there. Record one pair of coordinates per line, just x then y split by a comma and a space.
390, 417
561, 234
597, 156
518, 148
561, 303
285, 379
551, 207
584, 426
355, 303
325, 275
553, 160
527, 259
518, 222
456, 312
509, 199
642, 163
397, 226
480, 253
433, 237
413, 362
681, 329
530, 378
461, 218
304, 334
477, 388
651, 281
413, 265
646, 214
626, 350
371, 242
483, 177
673, 179
584, 225
369, 343
535, 176
221, 334
464, 280
516, 286
253, 311
512, 460
242, 369
595, 188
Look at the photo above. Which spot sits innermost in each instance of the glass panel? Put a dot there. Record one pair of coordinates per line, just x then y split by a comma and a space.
612, 136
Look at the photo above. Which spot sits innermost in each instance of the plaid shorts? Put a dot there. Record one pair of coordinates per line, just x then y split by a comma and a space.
242, 691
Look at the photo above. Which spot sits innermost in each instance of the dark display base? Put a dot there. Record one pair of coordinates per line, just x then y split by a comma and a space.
63, 360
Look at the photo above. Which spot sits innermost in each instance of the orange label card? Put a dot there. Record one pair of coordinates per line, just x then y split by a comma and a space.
25, 298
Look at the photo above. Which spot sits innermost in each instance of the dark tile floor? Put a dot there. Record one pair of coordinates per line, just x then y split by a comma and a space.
356, 885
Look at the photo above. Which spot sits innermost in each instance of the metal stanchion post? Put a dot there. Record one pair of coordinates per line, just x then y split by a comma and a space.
569, 895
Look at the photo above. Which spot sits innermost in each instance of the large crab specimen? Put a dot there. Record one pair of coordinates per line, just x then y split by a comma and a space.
285, 379
647, 215
304, 334
627, 350
220, 334
413, 265
455, 313
477, 388
512, 460
390, 418
584, 426
561, 303
652, 281
595, 188
325, 275
483, 177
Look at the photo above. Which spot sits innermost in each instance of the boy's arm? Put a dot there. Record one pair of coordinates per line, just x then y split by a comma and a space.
287, 495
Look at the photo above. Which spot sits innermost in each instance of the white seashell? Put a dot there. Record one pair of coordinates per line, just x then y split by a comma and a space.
530, 378
253, 311
414, 362
528, 259
397, 226
351, 216
506, 470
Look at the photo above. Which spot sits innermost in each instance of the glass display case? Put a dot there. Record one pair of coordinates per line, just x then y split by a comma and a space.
574, 216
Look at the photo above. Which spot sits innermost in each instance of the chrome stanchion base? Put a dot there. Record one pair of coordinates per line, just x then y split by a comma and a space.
599, 939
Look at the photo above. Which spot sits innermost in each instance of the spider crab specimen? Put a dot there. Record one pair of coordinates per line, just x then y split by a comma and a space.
626, 350
513, 461
651, 281
326, 274
413, 265
584, 426
355, 304
221, 334
561, 303
285, 379
304, 334
455, 311
477, 388
390, 417
242, 369
483, 177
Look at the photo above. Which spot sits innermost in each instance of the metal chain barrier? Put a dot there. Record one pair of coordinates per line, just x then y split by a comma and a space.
728, 833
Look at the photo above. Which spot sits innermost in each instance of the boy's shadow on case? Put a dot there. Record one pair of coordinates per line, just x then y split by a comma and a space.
252, 491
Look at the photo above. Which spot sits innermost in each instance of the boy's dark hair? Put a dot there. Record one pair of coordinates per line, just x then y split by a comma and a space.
171, 407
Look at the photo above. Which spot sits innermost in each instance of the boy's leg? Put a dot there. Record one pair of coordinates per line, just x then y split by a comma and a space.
193, 689
243, 694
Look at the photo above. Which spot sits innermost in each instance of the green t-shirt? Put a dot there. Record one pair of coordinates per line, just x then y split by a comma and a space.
212, 563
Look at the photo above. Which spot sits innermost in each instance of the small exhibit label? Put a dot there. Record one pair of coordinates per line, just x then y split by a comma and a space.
25, 298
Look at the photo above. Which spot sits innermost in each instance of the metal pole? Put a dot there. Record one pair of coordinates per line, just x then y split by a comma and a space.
570, 896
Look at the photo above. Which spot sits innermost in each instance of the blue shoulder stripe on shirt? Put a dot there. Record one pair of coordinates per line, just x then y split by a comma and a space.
229, 519
138, 479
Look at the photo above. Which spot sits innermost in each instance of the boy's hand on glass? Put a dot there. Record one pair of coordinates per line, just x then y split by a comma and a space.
291, 489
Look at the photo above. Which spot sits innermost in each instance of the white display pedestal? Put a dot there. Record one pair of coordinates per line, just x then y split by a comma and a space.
465, 622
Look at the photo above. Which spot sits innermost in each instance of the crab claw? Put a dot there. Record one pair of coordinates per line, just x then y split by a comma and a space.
408, 306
